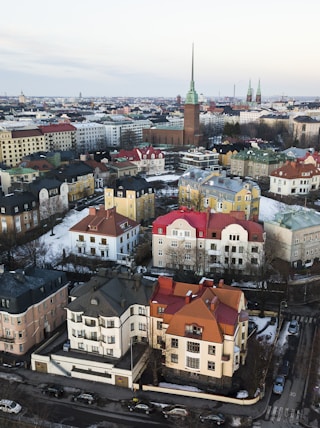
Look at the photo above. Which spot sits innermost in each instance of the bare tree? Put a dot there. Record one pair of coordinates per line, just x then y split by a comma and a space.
32, 252
50, 210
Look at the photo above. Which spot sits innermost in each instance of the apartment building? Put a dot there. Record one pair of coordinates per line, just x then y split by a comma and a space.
204, 189
19, 213
295, 178
294, 236
15, 144
117, 131
256, 163
90, 137
207, 242
199, 158
133, 197
201, 329
79, 178
149, 161
105, 234
16, 177
32, 306
108, 322
60, 136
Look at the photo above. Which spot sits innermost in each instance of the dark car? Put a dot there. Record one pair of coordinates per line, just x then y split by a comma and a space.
175, 411
141, 406
284, 369
217, 418
53, 390
86, 397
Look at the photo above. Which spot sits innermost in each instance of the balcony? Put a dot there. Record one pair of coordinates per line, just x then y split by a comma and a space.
103, 247
214, 252
7, 339
80, 244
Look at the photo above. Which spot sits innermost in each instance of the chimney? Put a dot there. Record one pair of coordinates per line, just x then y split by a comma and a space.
188, 297
214, 303
92, 211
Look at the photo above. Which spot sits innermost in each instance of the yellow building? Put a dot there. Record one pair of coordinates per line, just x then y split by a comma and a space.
16, 144
133, 197
203, 190
80, 180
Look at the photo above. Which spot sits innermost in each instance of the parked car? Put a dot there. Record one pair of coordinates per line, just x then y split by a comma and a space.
217, 418
141, 406
9, 406
242, 394
53, 390
293, 327
175, 411
85, 397
285, 368
278, 385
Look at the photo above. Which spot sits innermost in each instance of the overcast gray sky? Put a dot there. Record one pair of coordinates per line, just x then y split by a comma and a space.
143, 47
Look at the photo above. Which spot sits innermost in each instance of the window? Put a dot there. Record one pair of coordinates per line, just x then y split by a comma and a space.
92, 239
233, 249
142, 310
131, 311
110, 323
193, 363
174, 343
211, 365
159, 325
160, 230
81, 238
111, 339
93, 251
142, 327
174, 233
187, 257
254, 249
193, 347
160, 241
160, 310
211, 350
160, 252
254, 261
132, 326
187, 245
174, 243
226, 248
240, 249
174, 358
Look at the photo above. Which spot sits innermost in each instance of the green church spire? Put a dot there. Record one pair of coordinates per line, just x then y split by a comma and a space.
192, 96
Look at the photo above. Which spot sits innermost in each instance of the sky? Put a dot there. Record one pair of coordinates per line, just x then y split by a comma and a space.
143, 49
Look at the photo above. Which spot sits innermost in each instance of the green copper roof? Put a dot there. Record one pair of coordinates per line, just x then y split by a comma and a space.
20, 170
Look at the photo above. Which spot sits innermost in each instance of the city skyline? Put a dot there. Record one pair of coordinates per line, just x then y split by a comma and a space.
131, 49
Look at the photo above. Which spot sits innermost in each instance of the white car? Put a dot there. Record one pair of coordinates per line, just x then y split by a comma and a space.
9, 406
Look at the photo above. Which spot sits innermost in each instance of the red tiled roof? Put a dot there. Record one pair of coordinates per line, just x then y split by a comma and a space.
39, 165
219, 221
196, 219
137, 154
292, 170
94, 164
103, 222
214, 308
59, 127
20, 133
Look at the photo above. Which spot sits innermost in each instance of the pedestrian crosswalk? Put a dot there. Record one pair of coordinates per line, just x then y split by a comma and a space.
304, 319
277, 414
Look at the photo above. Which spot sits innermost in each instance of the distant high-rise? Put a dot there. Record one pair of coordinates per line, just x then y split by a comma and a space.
179, 100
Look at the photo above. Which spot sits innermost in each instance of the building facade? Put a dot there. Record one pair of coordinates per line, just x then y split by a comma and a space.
16, 176
149, 161
294, 236
256, 163
60, 136
133, 197
203, 189
32, 306
201, 330
199, 158
105, 234
295, 178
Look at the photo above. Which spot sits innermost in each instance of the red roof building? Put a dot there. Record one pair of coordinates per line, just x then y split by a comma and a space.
201, 328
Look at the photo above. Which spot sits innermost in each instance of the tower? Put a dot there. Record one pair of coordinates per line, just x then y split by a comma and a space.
191, 126
249, 93
258, 94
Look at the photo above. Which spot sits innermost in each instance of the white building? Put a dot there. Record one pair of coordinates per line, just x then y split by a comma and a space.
115, 130
90, 136
105, 234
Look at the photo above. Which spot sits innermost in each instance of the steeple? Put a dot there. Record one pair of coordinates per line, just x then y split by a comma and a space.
258, 94
192, 96
249, 93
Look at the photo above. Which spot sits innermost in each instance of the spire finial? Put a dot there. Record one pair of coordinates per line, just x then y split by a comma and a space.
192, 96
